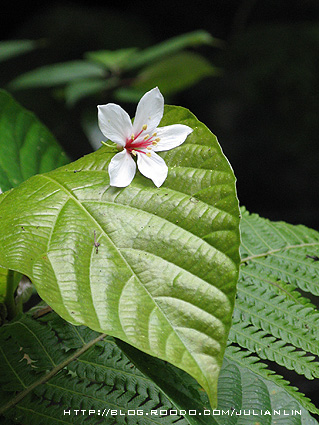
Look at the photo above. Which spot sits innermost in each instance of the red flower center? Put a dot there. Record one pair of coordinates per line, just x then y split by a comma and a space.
133, 144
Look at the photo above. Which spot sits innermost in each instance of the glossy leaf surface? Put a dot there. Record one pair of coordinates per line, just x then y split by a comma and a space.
163, 277
26, 146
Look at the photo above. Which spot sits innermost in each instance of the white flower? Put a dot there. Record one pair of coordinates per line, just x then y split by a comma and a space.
141, 139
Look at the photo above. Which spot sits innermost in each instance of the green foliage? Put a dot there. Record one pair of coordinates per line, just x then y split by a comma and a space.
9, 281
26, 146
132, 58
49, 366
172, 46
134, 286
114, 60
13, 48
281, 252
271, 318
3, 283
61, 73
171, 74
166, 65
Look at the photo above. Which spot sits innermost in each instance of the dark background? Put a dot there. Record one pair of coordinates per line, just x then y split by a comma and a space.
263, 107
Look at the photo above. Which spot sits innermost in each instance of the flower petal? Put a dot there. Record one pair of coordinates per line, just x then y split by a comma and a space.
149, 111
171, 136
152, 167
121, 169
114, 123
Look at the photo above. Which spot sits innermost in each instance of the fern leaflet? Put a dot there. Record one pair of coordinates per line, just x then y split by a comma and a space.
272, 318
61, 371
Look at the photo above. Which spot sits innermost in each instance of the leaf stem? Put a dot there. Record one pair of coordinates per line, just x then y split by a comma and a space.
12, 308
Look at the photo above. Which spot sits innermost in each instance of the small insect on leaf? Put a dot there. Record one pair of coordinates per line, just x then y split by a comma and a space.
96, 244
313, 257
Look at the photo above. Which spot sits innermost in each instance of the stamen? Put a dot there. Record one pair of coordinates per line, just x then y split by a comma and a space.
146, 137
138, 134
154, 135
154, 143
157, 140
148, 154
149, 148
132, 137
133, 152
144, 127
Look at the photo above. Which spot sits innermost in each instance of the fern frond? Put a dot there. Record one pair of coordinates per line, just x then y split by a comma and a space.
94, 373
283, 317
30, 336
253, 363
13, 376
69, 337
282, 251
237, 386
272, 318
76, 373
269, 348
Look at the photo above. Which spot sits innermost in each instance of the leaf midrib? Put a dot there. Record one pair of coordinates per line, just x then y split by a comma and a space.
274, 251
114, 406
56, 420
12, 369
302, 361
35, 337
121, 205
292, 331
264, 300
305, 280
124, 260
255, 365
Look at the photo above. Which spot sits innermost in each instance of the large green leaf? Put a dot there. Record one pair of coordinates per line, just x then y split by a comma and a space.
26, 146
164, 276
